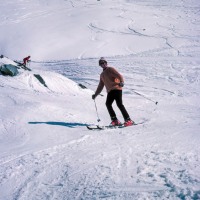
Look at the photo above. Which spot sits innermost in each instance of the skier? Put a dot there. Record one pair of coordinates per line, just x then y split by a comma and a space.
113, 82
26, 60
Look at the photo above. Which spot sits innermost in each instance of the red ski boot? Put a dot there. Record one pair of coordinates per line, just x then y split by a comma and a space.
115, 122
128, 122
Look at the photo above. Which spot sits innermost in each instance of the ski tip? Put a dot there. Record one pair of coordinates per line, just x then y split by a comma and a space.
94, 127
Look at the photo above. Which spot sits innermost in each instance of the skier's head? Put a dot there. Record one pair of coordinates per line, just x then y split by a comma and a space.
103, 62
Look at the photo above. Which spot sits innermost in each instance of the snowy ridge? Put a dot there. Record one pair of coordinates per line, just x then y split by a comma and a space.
6, 60
56, 83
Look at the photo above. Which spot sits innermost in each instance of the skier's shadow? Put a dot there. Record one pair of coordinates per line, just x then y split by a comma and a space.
70, 125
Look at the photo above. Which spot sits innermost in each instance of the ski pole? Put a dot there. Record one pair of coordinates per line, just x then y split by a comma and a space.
145, 97
97, 111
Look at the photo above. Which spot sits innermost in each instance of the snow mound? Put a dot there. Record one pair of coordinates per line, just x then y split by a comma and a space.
60, 84
6, 60
53, 82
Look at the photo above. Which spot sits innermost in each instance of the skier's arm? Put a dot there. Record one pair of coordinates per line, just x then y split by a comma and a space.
99, 88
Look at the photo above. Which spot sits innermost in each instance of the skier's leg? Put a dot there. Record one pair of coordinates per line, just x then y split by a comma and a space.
118, 98
109, 102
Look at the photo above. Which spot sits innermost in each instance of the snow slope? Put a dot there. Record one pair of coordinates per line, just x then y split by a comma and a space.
46, 151
64, 29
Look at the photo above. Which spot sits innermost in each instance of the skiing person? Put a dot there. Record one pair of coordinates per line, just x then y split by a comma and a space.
26, 60
113, 82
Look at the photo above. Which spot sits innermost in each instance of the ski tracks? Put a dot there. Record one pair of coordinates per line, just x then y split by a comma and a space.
89, 168
75, 168
172, 170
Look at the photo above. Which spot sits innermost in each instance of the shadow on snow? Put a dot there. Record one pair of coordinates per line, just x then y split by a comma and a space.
70, 125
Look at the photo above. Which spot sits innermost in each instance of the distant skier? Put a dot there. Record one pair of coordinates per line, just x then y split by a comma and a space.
26, 60
113, 82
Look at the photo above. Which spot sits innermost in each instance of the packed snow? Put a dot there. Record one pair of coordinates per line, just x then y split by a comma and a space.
46, 150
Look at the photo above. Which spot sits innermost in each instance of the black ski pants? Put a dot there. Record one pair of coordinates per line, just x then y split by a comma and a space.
117, 96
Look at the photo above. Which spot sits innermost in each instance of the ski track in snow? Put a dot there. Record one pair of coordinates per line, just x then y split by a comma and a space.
79, 171
46, 150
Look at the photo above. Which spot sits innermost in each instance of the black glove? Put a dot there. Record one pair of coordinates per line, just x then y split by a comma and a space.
121, 84
93, 96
